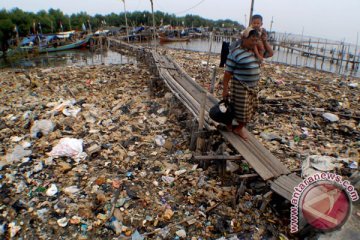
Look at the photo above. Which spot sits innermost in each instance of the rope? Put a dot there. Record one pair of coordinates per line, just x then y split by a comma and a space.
191, 7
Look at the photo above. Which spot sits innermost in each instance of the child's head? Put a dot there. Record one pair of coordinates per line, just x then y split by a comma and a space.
256, 21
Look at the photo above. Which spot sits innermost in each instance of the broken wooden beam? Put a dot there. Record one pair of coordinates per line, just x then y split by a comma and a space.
218, 157
282, 98
266, 200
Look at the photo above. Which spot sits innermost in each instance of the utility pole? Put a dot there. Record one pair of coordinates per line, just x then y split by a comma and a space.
153, 20
271, 23
251, 11
70, 23
126, 23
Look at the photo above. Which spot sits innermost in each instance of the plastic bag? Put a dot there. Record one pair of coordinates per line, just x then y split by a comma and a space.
41, 126
222, 112
69, 147
18, 153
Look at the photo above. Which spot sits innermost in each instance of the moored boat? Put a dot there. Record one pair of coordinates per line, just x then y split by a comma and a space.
169, 39
59, 47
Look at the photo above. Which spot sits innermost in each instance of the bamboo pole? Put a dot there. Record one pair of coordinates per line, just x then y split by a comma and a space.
356, 46
153, 20
347, 58
323, 59
208, 59
126, 23
251, 11
342, 56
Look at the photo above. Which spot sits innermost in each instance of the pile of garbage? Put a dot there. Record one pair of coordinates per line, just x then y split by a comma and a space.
89, 152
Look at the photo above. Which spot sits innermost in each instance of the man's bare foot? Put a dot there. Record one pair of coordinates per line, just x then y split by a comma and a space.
241, 132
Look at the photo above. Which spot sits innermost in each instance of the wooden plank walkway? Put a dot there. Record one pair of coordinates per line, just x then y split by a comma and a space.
189, 93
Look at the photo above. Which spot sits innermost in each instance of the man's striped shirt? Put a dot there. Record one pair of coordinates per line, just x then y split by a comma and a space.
244, 66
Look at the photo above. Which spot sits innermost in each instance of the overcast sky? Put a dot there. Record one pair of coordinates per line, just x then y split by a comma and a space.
331, 19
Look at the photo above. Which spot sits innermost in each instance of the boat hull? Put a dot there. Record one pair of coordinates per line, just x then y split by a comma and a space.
168, 40
77, 44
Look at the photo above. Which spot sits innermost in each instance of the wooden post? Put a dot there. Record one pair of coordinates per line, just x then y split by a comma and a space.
342, 56
194, 127
211, 40
200, 139
316, 54
213, 79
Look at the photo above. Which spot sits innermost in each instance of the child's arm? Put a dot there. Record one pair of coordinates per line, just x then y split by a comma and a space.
268, 50
257, 53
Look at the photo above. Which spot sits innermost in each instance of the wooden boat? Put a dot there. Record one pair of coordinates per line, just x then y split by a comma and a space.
168, 39
58, 47
52, 47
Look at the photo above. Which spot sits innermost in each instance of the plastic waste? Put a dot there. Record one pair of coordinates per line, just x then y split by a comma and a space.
71, 190
137, 236
18, 153
315, 163
331, 117
353, 165
181, 233
231, 166
115, 225
63, 105
179, 172
14, 229
2, 228
164, 232
353, 85
52, 190
62, 222
41, 126
159, 140
69, 147
71, 112
168, 179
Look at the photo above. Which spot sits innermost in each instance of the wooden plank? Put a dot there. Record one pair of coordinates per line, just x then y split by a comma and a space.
181, 98
280, 168
266, 156
281, 191
167, 77
286, 182
254, 162
296, 179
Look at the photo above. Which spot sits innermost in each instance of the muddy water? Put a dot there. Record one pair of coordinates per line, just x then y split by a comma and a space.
280, 55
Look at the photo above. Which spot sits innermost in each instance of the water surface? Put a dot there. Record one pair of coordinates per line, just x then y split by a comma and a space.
83, 57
